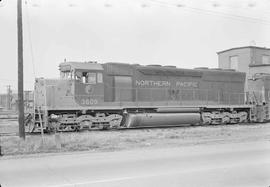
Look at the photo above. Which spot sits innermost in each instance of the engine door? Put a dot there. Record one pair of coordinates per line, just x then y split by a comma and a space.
123, 88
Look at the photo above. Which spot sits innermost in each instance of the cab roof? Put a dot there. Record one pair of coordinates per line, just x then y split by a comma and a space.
80, 66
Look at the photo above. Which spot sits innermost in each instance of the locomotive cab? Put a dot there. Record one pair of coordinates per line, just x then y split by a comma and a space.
87, 81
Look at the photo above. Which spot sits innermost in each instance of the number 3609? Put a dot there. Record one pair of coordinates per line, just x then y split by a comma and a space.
89, 101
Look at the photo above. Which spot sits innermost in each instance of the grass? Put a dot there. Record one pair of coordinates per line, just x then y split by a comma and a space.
131, 139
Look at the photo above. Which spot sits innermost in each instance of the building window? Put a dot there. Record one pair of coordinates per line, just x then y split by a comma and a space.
265, 59
234, 62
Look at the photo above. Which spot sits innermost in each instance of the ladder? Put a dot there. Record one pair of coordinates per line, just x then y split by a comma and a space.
40, 116
266, 112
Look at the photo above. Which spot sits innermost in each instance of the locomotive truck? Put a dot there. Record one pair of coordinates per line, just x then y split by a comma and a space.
90, 95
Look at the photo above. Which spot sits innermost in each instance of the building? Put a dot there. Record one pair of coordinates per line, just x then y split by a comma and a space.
249, 59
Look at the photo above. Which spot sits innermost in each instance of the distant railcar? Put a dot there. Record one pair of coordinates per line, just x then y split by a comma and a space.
115, 95
259, 88
258, 93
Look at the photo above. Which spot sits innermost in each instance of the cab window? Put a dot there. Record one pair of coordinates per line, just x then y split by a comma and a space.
78, 76
88, 78
99, 78
91, 78
66, 75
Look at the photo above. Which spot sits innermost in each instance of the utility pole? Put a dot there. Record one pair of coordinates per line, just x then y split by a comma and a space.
20, 70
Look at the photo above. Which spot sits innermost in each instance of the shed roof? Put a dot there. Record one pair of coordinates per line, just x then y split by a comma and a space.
235, 48
67, 66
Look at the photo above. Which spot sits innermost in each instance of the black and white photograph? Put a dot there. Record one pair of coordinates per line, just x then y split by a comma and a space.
135, 93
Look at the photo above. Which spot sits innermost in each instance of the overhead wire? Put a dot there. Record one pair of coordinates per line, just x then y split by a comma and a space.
207, 11
30, 38
248, 8
211, 12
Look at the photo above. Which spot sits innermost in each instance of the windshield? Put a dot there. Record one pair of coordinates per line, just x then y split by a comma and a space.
66, 75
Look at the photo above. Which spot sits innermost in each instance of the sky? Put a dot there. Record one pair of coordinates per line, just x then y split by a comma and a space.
184, 33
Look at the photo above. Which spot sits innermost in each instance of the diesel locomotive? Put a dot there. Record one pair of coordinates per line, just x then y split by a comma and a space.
90, 95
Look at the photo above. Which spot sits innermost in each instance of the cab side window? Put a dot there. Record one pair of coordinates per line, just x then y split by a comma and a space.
78, 76
88, 78
99, 78
91, 78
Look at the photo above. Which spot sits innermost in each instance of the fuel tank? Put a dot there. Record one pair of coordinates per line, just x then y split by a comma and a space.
162, 119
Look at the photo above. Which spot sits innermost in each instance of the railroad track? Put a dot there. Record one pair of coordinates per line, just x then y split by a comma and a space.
16, 134
8, 134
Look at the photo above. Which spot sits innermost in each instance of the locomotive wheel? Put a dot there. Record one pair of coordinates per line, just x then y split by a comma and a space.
206, 118
104, 127
115, 123
61, 128
85, 124
54, 126
226, 120
115, 120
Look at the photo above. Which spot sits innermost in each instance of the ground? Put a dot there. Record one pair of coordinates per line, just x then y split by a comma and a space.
97, 141
219, 165
228, 155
